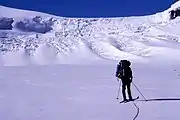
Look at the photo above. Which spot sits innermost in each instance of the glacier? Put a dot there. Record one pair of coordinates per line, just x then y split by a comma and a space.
58, 68
39, 38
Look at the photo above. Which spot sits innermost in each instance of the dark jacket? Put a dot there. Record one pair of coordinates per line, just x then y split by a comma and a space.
127, 78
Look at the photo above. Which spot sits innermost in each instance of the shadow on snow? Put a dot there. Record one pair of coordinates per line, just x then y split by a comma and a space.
162, 99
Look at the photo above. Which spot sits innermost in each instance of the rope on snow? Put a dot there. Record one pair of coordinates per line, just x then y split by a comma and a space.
137, 111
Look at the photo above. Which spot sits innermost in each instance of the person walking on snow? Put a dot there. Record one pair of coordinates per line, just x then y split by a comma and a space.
124, 73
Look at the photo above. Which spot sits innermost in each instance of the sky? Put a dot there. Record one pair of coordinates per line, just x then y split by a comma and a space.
92, 8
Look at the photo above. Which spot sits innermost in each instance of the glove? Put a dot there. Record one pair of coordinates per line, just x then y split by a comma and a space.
117, 79
130, 80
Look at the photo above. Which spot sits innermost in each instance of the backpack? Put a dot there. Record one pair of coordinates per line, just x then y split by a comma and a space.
121, 68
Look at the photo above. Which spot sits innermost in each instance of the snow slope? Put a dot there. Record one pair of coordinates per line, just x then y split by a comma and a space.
83, 86
87, 92
39, 38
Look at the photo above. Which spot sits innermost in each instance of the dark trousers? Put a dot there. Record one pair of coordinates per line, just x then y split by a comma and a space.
128, 85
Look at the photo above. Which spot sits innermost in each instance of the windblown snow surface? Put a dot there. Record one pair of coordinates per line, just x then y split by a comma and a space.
57, 68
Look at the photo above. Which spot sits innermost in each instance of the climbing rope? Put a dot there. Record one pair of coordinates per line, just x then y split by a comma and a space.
137, 111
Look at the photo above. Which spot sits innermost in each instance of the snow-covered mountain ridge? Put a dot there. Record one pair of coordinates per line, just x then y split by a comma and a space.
41, 38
